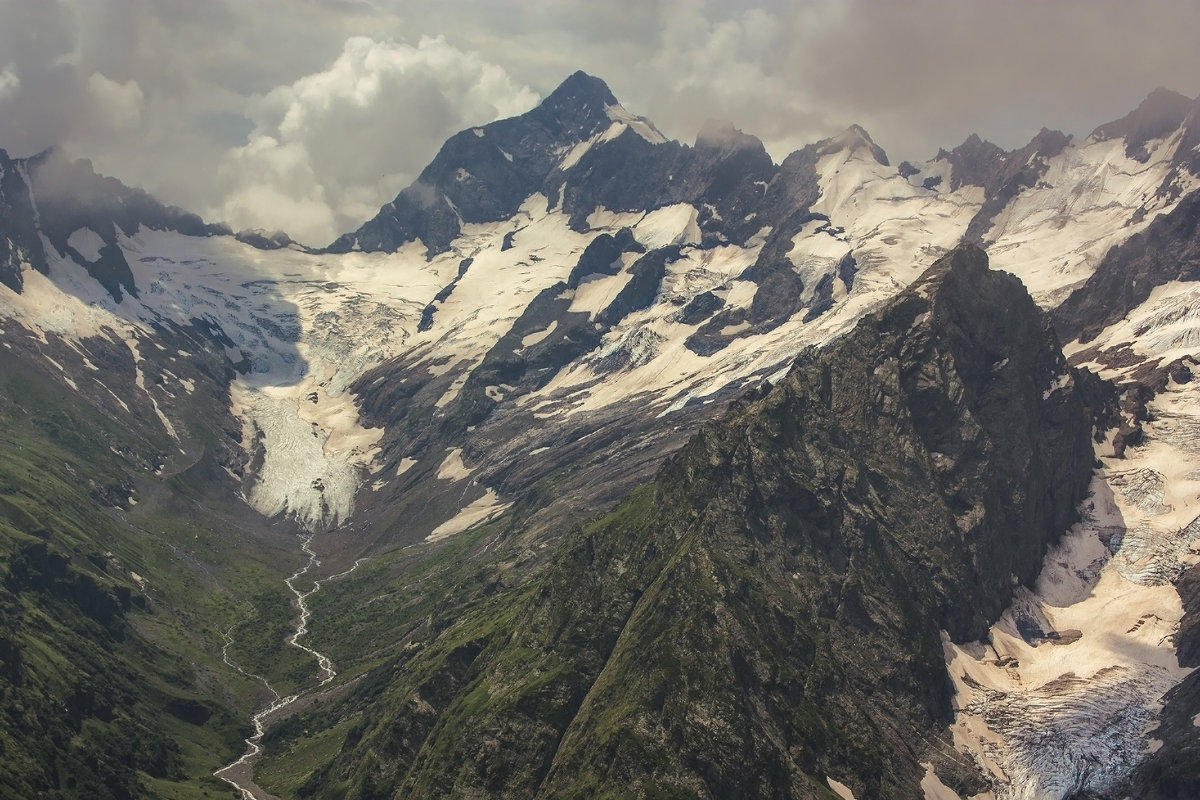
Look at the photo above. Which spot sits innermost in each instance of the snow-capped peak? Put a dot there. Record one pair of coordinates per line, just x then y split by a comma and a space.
854, 140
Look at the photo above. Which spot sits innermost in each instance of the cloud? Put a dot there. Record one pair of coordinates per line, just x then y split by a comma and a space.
9, 82
918, 75
343, 139
309, 114
119, 105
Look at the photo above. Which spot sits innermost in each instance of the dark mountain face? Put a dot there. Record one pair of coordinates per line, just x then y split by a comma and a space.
973, 162
484, 174
1005, 177
767, 612
1161, 113
19, 241
1002, 175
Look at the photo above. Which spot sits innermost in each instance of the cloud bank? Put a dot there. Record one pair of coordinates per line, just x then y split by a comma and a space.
307, 115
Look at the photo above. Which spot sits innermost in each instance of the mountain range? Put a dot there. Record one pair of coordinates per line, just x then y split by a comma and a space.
602, 465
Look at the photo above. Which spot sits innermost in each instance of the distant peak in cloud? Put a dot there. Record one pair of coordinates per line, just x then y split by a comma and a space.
329, 145
580, 88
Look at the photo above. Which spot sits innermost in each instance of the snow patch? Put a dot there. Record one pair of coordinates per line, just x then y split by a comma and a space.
114, 396
603, 219
533, 338
451, 394
482, 510
840, 789
597, 292
452, 467
1058, 383
140, 380
640, 125
675, 224
87, 243
576, 152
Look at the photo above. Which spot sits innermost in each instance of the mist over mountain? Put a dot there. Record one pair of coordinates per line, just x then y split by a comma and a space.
308, 117
598, 463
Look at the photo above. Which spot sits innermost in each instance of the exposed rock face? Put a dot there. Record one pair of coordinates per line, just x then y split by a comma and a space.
1160, 114
974, 162
19, 240
603, 256
647, 274
768, 612
265, 240
725, 175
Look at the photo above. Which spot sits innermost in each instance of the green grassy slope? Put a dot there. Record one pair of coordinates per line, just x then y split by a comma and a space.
113, 613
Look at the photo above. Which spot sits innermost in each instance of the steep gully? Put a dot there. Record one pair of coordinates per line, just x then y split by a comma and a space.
240, 773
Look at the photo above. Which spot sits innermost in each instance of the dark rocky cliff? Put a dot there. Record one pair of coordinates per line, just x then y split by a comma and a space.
19, 240
767, 613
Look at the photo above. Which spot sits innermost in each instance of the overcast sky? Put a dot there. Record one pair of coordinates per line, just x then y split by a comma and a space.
307, 115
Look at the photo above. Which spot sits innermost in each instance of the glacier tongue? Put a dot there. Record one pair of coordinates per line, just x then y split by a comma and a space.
308, 470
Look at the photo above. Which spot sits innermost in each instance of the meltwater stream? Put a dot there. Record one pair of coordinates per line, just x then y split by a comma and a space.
240, 773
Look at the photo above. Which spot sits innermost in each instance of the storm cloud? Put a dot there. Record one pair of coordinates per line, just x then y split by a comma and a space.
307, 115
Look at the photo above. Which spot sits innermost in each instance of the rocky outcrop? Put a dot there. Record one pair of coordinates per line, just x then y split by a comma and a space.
602, 256
975, 162
646, 275
725, 175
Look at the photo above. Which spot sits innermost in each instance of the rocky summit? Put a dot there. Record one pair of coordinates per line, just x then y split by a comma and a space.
598, 464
